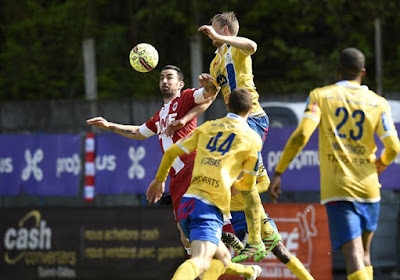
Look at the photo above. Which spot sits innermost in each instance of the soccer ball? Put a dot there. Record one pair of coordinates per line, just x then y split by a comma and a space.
143, 57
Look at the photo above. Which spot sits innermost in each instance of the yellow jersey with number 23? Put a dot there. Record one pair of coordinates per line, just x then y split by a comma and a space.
348, 115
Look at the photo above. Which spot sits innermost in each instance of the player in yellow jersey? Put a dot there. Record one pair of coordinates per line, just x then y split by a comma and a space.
225, 148
232, 68
348, 115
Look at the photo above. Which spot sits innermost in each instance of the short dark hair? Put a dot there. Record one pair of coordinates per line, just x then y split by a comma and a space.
240, 101
177, 69
351, 63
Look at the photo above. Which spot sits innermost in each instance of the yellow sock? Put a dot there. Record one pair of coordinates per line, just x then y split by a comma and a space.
298, 269
239, 269
252, 204
266, 229
215, 271
370, 271
361, 274
188, 270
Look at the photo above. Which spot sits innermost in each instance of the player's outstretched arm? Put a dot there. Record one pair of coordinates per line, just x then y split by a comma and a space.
243, 43
295, 144
129, 131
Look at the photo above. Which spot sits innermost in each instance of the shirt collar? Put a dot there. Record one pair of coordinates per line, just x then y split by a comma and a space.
351, 85
169, 102
236, 117
220, 49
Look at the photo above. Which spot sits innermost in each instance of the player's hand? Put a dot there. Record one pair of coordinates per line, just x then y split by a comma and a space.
234, 191
174, 126
380, 167
155, 191
209, 31
208, 83
275, 187
206, 79
98, 122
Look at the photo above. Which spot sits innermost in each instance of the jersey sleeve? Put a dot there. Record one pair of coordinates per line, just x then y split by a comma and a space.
312, 110
149, 128
189, 142
385, 126
146, 131
167, 161
188, 96
388, 134
199, 96
250, 168
254, 159
239, 53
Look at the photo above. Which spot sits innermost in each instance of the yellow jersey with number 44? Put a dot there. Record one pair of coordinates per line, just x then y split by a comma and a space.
232, 68
349, 115
225, 147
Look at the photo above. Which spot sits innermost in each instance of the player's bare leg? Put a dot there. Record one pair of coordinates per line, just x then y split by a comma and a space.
222, 260
184, 240
353, 252
202, 254
218, 265
292, 262
367, 238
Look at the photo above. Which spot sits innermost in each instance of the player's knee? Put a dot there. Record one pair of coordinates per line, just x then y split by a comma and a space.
226, 259
203, 265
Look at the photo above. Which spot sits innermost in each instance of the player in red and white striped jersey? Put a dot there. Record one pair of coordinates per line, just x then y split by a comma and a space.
184, 105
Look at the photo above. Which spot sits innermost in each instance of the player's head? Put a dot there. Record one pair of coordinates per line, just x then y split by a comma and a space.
225, 24
240, 102
351, 64
171, 81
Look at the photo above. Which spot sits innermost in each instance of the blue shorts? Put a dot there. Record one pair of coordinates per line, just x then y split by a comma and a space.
348, 220
259, 125
200, 221
239, 223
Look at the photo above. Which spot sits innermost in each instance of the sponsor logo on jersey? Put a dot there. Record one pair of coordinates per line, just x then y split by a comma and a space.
211, 161
204, 179
164, 121
175, 106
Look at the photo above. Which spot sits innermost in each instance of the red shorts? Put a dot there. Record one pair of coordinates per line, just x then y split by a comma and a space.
179, 185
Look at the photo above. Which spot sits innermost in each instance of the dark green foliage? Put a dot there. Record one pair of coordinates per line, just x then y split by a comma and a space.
298, 42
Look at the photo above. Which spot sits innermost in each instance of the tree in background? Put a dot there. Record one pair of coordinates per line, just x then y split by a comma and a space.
41, 43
